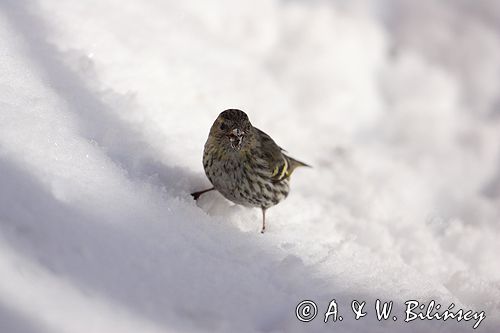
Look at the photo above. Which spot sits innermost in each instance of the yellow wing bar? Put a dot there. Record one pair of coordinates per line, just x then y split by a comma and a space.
280, 171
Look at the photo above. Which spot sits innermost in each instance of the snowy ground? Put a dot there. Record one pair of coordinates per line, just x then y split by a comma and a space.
104, 110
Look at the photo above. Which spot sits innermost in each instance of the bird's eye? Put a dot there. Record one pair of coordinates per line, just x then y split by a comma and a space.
223, 126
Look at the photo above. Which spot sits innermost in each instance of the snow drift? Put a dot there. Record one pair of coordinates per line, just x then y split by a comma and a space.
104, 110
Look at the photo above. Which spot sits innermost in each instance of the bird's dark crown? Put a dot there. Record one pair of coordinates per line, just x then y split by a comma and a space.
234, 115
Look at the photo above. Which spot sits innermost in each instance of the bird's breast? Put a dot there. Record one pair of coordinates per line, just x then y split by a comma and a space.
243, 178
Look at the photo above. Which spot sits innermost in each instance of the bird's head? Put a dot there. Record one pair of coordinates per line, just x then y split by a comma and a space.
232, 130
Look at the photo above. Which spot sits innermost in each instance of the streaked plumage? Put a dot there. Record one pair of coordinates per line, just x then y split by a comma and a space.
245, 164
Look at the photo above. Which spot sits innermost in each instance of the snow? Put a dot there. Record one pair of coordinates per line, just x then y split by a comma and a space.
104, 110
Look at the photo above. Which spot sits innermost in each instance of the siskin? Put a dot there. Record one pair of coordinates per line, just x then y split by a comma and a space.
245, 165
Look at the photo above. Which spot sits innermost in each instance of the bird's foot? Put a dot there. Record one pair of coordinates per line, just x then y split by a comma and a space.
196, 195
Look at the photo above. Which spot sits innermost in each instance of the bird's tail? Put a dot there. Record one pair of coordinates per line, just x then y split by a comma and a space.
293, 164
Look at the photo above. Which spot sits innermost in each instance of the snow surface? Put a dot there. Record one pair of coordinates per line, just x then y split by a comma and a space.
104, 110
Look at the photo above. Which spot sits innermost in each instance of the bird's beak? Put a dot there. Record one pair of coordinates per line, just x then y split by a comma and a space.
236, 138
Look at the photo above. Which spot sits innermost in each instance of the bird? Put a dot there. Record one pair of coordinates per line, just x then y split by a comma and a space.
245, 165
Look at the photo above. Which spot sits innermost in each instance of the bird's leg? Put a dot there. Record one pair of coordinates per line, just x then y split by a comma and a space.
196, 195
263, 220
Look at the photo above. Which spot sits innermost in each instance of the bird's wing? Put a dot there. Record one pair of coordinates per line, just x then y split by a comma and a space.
280, 165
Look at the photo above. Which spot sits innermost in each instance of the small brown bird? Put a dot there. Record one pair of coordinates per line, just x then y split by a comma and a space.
245, 165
